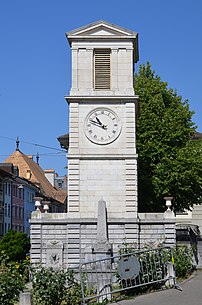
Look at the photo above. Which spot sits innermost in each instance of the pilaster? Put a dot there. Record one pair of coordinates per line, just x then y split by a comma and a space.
73, 185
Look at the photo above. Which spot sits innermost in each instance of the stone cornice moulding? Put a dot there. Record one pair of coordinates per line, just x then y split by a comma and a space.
99, 98
103, 156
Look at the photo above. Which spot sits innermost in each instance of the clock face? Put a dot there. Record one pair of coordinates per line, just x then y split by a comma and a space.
102, 126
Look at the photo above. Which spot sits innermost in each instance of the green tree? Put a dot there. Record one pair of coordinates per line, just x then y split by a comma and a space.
170, 162
15, 245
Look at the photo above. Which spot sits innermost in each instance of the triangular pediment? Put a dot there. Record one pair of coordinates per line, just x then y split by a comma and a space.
101, 28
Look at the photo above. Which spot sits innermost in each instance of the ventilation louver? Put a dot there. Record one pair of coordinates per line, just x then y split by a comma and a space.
102, 69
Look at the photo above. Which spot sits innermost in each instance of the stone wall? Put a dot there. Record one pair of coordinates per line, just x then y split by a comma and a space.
155, 228
60, 241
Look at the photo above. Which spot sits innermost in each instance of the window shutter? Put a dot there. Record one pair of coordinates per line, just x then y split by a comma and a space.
102, 68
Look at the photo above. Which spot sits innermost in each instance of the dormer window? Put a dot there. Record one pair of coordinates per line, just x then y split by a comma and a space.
102, 69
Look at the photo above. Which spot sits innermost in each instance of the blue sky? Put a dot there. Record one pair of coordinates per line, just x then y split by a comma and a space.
35, 63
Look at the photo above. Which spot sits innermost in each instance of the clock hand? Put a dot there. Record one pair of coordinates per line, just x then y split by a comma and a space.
95, 123
98, 121
98, 124
103, 126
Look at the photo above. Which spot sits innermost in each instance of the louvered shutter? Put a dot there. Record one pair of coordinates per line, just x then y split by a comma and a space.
102, 68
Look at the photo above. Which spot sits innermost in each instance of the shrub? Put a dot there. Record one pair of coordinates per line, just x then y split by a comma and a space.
55, 287
11, 281
183, 256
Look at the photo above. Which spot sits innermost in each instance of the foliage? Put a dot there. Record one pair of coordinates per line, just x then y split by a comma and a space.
55, 287
11, 281
152, 259
183, 256
73, 293
59, 287
170, 162
16, 245
127, 248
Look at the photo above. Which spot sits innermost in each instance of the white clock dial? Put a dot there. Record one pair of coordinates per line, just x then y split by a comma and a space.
102, 126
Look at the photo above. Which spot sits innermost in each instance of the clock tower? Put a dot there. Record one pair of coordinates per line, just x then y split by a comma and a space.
102, 157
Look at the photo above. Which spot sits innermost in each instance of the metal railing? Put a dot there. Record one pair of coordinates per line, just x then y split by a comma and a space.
102, 278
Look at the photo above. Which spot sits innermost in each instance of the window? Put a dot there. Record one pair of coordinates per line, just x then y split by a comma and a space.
9, 189
9, 210
5, 188
14, 190
1, 186
30, 197
60, 183
5, 209
20, 193
102, 69
16, 212
21, 212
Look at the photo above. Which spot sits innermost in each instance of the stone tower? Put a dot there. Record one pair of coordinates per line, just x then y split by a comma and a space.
102, 157
102, 105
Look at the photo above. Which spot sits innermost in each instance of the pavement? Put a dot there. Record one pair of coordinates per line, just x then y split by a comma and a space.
191, 294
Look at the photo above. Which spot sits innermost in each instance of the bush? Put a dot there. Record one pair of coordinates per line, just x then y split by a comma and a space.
55, 287
183, 256
11, 281
59, 287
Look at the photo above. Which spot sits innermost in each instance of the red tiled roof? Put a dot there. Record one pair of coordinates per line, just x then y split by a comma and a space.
26, 165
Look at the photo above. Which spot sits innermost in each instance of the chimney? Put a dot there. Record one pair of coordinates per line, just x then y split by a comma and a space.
29, 174
50, 175
30, 157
